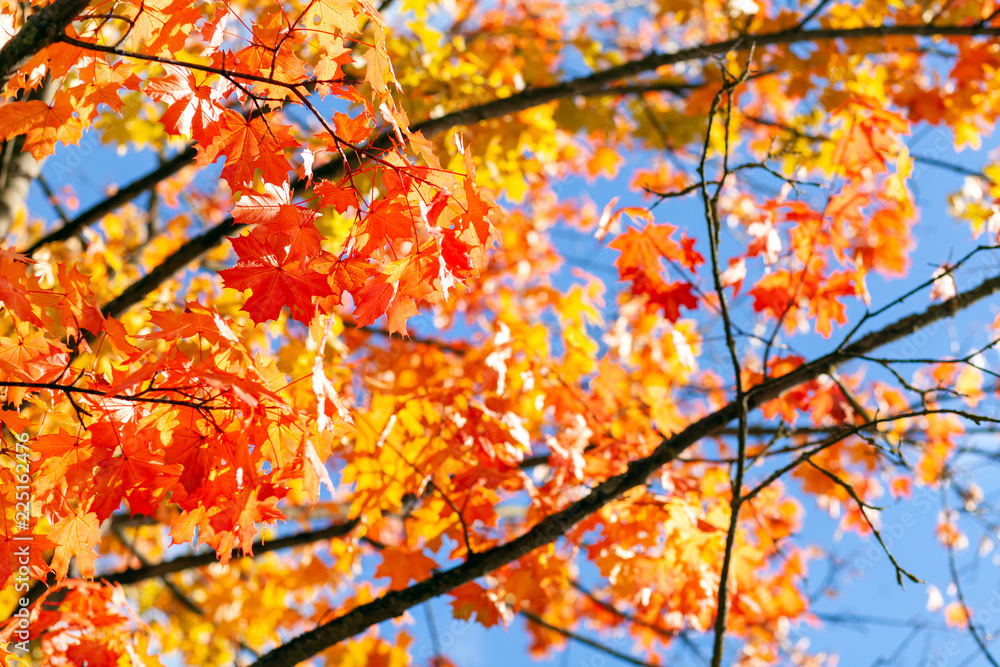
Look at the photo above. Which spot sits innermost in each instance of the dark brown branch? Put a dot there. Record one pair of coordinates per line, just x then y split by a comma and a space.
569, 634
610, 608
175, 590
120, 198
527, 99
850, 619
69, 389
663, 632
863, 507
52, 199
811, 449
812, 14
457, 348
180, 258
114, 50
43, 28
552, 527
916, 157
949, 166
711, 207
139, 574
594, 82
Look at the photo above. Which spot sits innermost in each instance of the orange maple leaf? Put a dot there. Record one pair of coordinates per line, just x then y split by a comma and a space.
248, 145
76, 534
403, 566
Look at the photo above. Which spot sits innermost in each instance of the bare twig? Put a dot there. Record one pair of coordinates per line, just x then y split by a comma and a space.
711, 204
959, 593
569, 634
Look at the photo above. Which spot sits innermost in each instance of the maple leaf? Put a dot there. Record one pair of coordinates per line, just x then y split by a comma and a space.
191, 107
255, 208
42, 124
274, 214
692, 258
239, 514
353, 130
471, 598
274, 281
191, 449
136, 476
871, 138
338, 197
248, 145
328, 68
18, 291
161, 25
773, 293
79, 306
95, 653
387, 219
372, 301
14, 421
955, 615
65, 459
643, 250
12, 549
825, 305
195, 320
403, 566
184, 528
271, 50
325, 15
400, 310
379, 72
604, 160
670, 297
34, 355
76, 534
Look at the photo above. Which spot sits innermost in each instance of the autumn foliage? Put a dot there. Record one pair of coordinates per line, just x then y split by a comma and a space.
569, 317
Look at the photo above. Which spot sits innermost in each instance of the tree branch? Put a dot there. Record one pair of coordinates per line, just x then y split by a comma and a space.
552, 527
597, 646
527, 99
69, 389
119, 198
956, 580
584, 85
711, 207
138, 574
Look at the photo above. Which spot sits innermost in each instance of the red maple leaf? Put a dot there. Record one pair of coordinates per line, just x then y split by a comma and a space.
336, 196
275, 281
372, 301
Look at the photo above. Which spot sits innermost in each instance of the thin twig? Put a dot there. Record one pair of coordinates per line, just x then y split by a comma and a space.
711, 204
569, 634
956, 580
